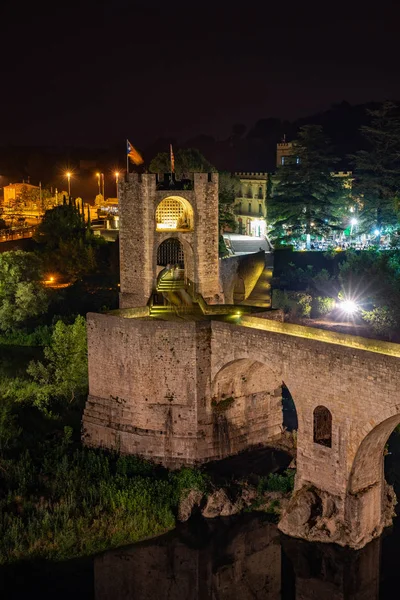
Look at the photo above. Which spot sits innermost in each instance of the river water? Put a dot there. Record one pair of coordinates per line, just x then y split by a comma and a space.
242, 558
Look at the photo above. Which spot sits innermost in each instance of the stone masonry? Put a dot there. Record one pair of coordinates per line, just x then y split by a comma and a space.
190, 391
139, 239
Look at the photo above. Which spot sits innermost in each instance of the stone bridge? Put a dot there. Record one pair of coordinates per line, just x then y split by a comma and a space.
193, 391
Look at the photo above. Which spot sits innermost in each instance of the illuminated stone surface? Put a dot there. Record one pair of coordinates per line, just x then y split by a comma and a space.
189, 391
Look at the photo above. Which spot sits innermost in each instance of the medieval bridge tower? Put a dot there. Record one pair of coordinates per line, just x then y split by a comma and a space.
158, 225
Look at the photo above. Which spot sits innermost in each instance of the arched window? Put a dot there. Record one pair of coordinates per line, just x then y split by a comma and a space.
323, 426
174, 213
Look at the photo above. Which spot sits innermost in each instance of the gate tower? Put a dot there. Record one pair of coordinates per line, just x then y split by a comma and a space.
150, 215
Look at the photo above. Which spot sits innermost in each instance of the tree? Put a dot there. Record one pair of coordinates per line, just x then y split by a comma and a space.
306, 201
187, 161
378, 170
229, 187
60, 224
68, 245
22, 295
62, 377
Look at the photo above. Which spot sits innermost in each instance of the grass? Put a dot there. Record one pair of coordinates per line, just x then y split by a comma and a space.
275, 482
60, 500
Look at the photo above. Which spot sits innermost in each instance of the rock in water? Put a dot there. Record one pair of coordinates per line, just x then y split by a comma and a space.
188, 503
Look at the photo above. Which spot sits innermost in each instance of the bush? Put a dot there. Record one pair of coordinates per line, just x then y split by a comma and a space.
41, 336
381, 320
322, 305
276, 482
297, 278
187, 479
296, 304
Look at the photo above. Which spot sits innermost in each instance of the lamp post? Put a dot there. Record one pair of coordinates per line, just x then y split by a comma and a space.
98, 182
353, 223
69, 182
116, 181
102, 185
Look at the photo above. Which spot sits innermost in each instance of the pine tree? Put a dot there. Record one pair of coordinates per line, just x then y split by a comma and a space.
307, 201
377, 170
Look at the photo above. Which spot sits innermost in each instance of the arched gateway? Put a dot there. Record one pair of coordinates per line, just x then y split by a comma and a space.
187, 391
148, 216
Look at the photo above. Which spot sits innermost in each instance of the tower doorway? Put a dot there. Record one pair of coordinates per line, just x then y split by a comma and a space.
170, 252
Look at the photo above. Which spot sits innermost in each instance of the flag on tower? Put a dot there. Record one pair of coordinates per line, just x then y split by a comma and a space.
133, 154
172, 157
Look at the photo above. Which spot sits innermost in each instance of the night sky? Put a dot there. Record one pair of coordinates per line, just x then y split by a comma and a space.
95, 73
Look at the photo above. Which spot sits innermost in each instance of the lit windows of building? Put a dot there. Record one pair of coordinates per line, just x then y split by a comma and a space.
250, 208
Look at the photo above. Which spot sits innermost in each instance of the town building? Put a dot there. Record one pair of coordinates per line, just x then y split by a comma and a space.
284, 149
250, 206
26, 193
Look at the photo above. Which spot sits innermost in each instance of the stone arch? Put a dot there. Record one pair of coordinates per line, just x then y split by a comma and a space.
187, 252
322, 426
170, 252
245, 405
369, 500
174, 213
367, 465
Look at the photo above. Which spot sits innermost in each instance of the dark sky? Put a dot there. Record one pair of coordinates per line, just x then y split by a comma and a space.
94, 73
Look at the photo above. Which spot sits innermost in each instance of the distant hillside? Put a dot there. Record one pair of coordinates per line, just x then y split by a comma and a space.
255, 150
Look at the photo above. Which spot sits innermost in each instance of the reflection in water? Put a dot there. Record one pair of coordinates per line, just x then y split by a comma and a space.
246, 559
227, 561
328, 571
242, 558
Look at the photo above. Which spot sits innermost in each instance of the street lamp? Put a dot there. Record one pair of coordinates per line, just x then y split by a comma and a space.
349, 307
69, 182
353, 222
98, 182
116, 181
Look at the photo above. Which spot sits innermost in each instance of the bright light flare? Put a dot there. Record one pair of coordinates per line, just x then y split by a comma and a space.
353, 222
349, 307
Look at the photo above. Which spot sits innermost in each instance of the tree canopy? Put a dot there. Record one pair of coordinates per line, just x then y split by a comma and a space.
187, 161
229, 186
68, 245
60, 224
307, 200
22, 295
62, 377
377, 170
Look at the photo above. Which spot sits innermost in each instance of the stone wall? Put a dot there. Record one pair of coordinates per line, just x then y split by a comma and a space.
139, 239
187, 392
145, 378
239, 275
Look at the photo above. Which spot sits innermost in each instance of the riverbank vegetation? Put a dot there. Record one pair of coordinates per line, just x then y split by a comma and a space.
59, 499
